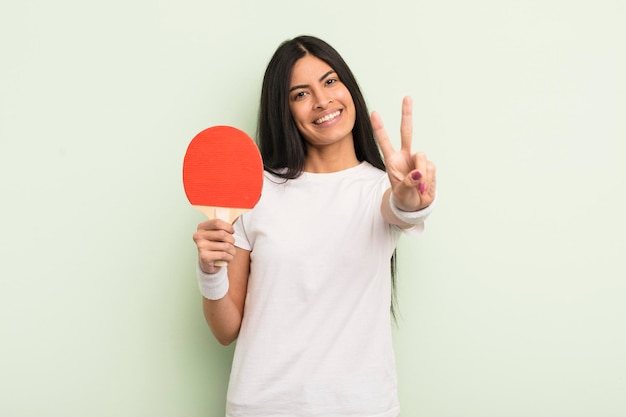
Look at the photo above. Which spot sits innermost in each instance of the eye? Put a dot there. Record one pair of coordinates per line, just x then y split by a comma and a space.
299, 95
331, 81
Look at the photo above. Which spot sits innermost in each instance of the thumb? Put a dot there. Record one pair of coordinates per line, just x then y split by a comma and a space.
407, 192
418, 181
414, 178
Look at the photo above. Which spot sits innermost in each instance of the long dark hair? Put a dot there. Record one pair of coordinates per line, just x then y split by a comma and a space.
282, 147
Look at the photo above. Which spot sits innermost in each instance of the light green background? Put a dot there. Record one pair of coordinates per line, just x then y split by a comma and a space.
513, 304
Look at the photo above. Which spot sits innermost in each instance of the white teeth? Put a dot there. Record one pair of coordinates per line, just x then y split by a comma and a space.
327, 118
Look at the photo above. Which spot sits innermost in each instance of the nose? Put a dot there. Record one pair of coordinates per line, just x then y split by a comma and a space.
323, 100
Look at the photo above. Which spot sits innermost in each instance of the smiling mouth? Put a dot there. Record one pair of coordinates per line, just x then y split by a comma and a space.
327, 118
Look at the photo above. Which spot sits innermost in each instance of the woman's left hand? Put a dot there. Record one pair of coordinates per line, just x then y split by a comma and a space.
412, 175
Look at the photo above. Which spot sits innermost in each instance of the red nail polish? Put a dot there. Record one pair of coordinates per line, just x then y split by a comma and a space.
416, 175
421, 187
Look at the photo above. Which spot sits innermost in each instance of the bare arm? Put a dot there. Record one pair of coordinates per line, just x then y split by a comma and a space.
224, 316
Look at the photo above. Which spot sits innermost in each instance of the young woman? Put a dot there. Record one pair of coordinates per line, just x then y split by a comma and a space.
308, 286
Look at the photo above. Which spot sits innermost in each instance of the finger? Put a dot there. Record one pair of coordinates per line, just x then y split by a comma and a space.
407, 194
381, 135
216, 224
421, 162
427, 187
420, 174
406, 124
209, 256
216, 250
201, 237
432, 179
212, 250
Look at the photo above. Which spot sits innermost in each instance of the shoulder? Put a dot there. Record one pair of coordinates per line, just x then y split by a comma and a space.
374, 175
368, 171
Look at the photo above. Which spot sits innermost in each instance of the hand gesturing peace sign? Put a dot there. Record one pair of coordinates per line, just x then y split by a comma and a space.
412, 175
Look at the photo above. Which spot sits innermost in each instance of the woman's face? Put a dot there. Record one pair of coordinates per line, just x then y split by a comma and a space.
320, 103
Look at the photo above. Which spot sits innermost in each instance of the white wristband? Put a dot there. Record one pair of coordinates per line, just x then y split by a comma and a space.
212, 286
410, 217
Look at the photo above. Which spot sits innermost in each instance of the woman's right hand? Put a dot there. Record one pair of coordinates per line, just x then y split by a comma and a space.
215, 242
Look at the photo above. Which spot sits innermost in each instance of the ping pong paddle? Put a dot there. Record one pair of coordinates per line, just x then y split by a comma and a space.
223, 173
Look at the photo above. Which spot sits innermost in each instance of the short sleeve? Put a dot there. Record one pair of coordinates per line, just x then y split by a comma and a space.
241, 238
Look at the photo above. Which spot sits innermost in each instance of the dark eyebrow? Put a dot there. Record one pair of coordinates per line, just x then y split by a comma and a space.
295, 87
326, 75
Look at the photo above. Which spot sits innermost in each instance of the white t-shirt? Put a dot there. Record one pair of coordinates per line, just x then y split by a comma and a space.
316, 333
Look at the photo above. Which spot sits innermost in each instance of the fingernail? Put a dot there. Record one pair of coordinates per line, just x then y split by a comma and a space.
416, 175
421, 187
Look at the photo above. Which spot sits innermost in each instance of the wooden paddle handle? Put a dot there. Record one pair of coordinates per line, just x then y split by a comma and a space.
223, 213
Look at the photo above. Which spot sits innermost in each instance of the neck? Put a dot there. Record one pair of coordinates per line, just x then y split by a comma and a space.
321, 160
